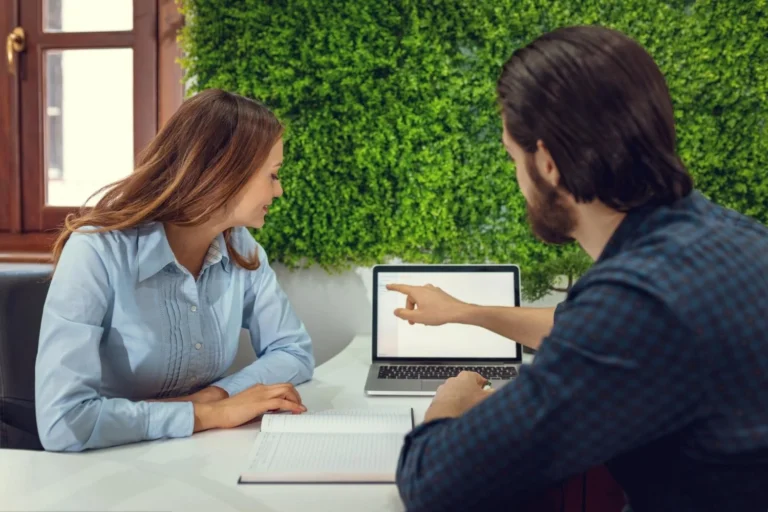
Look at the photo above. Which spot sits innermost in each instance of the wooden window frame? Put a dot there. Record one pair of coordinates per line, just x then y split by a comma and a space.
27, 226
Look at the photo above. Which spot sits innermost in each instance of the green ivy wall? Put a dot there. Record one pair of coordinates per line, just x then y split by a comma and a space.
393, 143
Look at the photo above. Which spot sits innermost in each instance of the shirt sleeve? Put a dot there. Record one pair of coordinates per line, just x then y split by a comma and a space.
279, 338
614, 374
71, 413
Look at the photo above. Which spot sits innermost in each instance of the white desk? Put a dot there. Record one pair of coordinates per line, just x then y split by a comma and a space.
199, 472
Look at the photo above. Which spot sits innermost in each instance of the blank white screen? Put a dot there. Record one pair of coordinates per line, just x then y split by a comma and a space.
397, 338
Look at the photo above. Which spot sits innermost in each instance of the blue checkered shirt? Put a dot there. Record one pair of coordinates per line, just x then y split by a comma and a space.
657, 367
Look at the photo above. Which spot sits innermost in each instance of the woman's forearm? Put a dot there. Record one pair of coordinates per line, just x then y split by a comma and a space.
206, 395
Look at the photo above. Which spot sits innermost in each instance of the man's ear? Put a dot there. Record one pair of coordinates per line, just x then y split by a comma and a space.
546, 164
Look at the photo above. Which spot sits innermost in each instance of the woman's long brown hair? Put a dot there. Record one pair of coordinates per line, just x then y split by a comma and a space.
193, 167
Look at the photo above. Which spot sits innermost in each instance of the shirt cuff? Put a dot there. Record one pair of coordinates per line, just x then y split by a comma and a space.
234, 384
411, 438
171, 419
419, 430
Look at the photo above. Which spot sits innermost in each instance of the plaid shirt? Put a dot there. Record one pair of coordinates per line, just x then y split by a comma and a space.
657, 366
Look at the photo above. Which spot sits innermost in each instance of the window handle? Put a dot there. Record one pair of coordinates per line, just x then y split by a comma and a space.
15, 43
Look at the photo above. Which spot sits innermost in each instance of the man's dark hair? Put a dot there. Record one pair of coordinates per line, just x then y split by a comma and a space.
602, 108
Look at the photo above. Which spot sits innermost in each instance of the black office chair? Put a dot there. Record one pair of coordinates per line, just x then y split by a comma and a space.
22, 296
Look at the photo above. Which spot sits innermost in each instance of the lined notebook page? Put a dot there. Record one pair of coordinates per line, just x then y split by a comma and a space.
304, 457
351, 420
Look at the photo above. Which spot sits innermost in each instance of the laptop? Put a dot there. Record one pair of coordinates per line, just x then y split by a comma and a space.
416, 359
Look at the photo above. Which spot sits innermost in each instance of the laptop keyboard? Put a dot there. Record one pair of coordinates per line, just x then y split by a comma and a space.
443, 372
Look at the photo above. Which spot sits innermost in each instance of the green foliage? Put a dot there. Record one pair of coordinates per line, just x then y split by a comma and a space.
393, 143
556, 273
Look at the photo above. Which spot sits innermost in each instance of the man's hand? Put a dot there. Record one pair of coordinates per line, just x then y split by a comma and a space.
457, 395
428, 305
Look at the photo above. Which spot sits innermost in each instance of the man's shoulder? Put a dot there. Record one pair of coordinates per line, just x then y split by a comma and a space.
631, 269
609, 308
678, 248
695, 269
630, 285
701, 225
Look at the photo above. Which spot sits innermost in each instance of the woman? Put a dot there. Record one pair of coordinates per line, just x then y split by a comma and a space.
152, 286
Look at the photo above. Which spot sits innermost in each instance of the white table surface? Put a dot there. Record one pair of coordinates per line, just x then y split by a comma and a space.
200, 472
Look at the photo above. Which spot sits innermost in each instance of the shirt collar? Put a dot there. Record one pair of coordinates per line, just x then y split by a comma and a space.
217, 252
626, 232
632, 226
155, 253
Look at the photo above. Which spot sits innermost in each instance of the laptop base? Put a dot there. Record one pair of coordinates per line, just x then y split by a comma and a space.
375, 386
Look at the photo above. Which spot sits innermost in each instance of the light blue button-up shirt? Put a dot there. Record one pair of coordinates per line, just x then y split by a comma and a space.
124, 322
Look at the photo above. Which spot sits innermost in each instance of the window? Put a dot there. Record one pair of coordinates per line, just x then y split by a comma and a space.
91, 85
53, 110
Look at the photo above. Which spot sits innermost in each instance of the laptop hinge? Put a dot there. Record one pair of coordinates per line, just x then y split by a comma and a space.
445, 363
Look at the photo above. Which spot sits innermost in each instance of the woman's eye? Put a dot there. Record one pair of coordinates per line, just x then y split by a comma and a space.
275, 178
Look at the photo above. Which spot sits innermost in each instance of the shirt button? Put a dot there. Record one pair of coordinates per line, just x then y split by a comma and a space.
193, 309
198, 346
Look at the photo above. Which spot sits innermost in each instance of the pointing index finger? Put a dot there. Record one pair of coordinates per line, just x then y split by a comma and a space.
402, 288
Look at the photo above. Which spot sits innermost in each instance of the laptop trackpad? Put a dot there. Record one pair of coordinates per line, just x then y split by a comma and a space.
431, 385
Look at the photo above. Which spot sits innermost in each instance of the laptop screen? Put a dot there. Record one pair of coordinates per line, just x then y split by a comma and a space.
494, 285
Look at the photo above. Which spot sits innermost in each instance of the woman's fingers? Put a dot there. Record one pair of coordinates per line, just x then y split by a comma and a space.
285, 391
285, 405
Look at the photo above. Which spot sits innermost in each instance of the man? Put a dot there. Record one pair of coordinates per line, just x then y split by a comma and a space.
656, 364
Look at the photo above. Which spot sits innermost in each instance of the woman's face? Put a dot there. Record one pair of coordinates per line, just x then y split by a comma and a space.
253, 201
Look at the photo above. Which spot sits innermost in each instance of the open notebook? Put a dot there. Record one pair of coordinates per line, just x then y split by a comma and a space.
360, 446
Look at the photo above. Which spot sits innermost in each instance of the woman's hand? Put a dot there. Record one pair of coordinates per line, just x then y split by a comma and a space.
428, 305
244, 407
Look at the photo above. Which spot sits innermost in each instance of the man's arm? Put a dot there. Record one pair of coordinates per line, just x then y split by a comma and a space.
429, 305
527, 326
611, 376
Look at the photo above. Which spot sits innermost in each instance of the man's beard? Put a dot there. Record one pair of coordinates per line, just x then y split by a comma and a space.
551, 219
